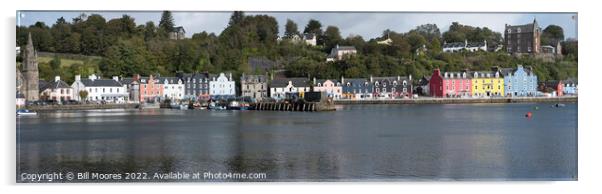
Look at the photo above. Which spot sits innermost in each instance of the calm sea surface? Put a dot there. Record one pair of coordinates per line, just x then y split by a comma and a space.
355, 143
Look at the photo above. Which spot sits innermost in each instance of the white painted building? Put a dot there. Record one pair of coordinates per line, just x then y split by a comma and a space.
173, 88
339, 52
453, 47
56, 90
222, 86
279, 88
108, 90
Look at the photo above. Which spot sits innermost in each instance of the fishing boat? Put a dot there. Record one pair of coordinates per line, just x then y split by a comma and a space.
25, 112
216, 106
183, 106
234, 105
558, 105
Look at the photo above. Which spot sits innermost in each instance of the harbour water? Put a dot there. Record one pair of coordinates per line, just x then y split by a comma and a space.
354, 143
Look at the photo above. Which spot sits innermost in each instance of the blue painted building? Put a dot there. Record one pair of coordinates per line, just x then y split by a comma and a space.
357, 88
519, 82
570, 87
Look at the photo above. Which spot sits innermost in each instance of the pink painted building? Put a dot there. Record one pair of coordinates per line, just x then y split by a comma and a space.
450, 84
151, 89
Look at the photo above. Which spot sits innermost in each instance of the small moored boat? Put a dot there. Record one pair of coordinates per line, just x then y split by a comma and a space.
25, 112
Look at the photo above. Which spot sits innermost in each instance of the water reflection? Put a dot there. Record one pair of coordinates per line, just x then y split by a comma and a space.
359, 142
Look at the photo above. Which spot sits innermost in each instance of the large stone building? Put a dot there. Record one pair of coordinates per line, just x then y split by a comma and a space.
523, 38
30, 72
254, 86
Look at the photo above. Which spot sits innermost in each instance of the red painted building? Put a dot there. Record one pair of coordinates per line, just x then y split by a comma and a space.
150, 89
450, 84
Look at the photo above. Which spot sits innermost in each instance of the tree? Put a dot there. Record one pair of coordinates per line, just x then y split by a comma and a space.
150, 31
236, 18
551, 35
290, 29
313, 27
83, 94
332, 37
429, 31
166, 24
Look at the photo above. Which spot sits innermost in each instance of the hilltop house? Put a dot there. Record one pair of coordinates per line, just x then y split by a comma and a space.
464, 46
339, 52
178, 33
523, 38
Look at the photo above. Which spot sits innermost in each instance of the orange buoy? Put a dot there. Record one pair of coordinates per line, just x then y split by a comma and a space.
529, 114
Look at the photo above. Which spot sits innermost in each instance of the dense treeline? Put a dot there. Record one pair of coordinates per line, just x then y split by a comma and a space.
127, 48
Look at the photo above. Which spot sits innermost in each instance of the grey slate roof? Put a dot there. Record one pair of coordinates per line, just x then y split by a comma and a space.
283, 82
43, 85
170, 80
453, 45
126, 81
101, 83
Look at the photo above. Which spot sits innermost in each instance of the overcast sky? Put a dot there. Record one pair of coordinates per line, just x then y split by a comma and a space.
367, 24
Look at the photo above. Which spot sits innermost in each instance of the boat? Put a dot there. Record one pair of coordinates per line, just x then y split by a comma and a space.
25, 112
216, 106
234, 105
558, 105
183, 106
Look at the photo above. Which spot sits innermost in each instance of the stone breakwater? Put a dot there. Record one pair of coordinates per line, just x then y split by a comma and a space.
459, 100
81, 107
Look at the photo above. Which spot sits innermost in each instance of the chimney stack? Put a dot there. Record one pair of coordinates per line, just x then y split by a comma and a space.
78, 77
116, 78
57, 78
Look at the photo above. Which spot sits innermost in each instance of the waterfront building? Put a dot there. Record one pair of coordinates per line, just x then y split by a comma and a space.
151, 89
487, 84
450, 84
109, 90
332, 87
523, 38
356, 88
555, 87
570, 87
56, 90
196, 86
221, 86
132, 86
391, 87
254, 86
423, 87
280, 88
173, 88
453, 47
339, 52
30, 72
519, 82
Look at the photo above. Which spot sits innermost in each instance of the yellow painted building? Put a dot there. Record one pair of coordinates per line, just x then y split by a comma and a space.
487, 84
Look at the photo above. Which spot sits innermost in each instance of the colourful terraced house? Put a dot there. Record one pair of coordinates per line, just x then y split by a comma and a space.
487, 84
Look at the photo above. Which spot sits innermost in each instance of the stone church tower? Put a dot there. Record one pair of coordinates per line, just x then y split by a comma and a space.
30, 72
